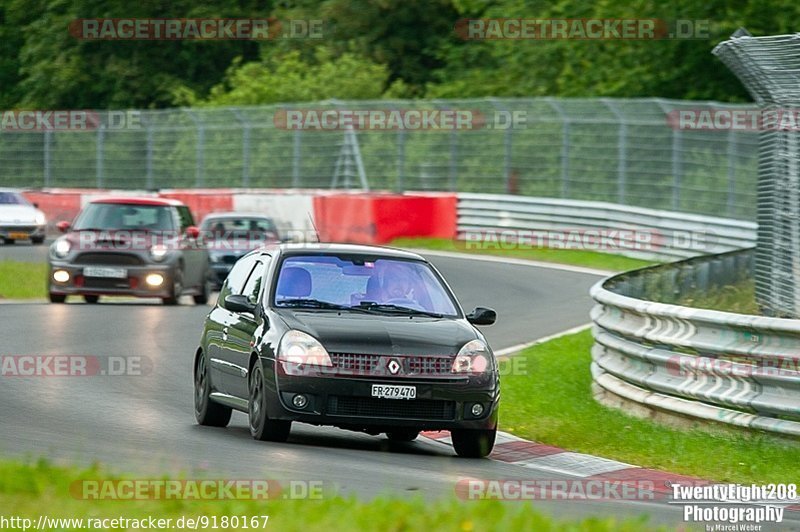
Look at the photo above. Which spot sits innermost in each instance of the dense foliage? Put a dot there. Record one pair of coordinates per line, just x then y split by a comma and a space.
369, 49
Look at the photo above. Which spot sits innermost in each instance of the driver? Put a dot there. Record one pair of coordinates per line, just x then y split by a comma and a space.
397, 285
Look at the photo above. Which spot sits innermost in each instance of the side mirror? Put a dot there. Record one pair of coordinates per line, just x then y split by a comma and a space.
63, 226
35, 205
239, 303
193, 232
482, 316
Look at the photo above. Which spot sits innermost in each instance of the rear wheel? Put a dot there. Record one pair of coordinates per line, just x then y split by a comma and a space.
402, 435
57, 298
91, 299
261, 427
206, 411
473, 443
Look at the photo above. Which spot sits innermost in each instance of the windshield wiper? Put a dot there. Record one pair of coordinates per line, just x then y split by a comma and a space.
311, 303
397, 309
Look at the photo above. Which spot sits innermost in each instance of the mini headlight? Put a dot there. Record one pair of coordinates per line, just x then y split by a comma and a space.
472, 358
298, 347
40, 219
61, 248
158, 252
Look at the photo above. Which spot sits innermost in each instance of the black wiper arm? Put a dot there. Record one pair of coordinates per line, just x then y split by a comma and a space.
311, 303
385, 307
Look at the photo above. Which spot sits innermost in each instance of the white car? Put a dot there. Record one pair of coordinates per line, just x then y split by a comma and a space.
19, 219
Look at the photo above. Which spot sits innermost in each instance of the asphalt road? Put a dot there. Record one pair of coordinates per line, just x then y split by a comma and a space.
144, 424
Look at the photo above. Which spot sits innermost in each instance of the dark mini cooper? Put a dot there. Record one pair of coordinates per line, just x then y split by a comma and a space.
141, 246
362, 338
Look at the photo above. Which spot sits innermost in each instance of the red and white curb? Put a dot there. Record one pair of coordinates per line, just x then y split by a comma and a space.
517, 451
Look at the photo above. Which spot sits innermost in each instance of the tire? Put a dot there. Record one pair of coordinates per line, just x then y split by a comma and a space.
473, 443
37, 241
91, 299
57, 298
8, 241
206, 411
202, 297
402, 435
177, 289
261, 427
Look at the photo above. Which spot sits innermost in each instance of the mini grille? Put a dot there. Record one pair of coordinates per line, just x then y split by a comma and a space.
369, 364
391, 408
117, 259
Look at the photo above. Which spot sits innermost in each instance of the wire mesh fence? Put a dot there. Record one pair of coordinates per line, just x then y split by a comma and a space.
634, 152
769, 67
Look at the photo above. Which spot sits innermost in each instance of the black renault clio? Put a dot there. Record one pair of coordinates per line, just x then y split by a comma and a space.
363, 338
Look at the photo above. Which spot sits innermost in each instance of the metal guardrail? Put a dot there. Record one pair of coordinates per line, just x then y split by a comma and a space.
665, 235
717, 366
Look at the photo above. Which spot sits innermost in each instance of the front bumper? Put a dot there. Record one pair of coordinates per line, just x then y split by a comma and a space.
440, 404
22, 232
133, 285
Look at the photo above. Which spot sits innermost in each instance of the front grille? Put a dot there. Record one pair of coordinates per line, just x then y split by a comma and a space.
20, 228
103, 284
391, 408
410, 366
116, 259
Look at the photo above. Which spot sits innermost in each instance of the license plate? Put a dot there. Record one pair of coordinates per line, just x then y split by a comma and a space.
113, 273
18, 236
388, 391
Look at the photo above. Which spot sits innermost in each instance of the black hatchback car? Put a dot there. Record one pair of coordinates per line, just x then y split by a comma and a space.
363, 338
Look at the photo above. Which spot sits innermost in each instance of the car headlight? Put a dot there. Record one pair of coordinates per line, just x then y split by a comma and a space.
39, 219
299, 348
474, 357
61, 248
158, 252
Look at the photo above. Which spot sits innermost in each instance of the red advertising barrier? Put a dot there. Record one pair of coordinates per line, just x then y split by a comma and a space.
202, 201
380, 218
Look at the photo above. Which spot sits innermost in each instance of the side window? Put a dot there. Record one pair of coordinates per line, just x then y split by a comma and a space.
234, 284
253, 285
185, 216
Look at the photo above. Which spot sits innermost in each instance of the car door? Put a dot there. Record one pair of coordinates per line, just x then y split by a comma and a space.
243, 327
220, 321
195, 254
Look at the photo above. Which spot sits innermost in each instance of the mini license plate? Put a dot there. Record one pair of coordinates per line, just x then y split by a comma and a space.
18, 235
112, 273
389, 391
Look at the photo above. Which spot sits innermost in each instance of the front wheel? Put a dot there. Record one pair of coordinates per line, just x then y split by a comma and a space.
37, 240
473, 443
206, 411
177, 289
202, 297
261, 427
57, 298
91, 299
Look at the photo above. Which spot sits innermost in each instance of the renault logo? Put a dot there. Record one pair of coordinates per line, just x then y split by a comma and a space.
393, 366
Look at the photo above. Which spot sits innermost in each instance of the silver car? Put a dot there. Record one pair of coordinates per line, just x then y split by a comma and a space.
20, 219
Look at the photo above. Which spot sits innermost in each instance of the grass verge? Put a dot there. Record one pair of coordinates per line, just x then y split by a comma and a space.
575, 257
551, 402
23, 280
30, 490
739, 298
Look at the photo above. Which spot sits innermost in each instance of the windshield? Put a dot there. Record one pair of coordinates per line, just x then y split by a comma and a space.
12, 198
379, 285
113, 217
235, 228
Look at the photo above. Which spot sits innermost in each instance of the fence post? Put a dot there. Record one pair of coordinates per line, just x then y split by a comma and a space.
245, 147
200, 150
149, 158
296, 145
622, 148
48, 140
565, 123
731, 171
401, 159
100, 155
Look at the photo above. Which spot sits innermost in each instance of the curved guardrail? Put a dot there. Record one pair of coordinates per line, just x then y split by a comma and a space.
668, 235
731, 368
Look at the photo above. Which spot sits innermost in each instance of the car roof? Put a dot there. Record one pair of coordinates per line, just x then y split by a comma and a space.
139, 200
323, 248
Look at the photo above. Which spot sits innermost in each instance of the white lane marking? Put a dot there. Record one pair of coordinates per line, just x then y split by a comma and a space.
517, 262
508, 351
